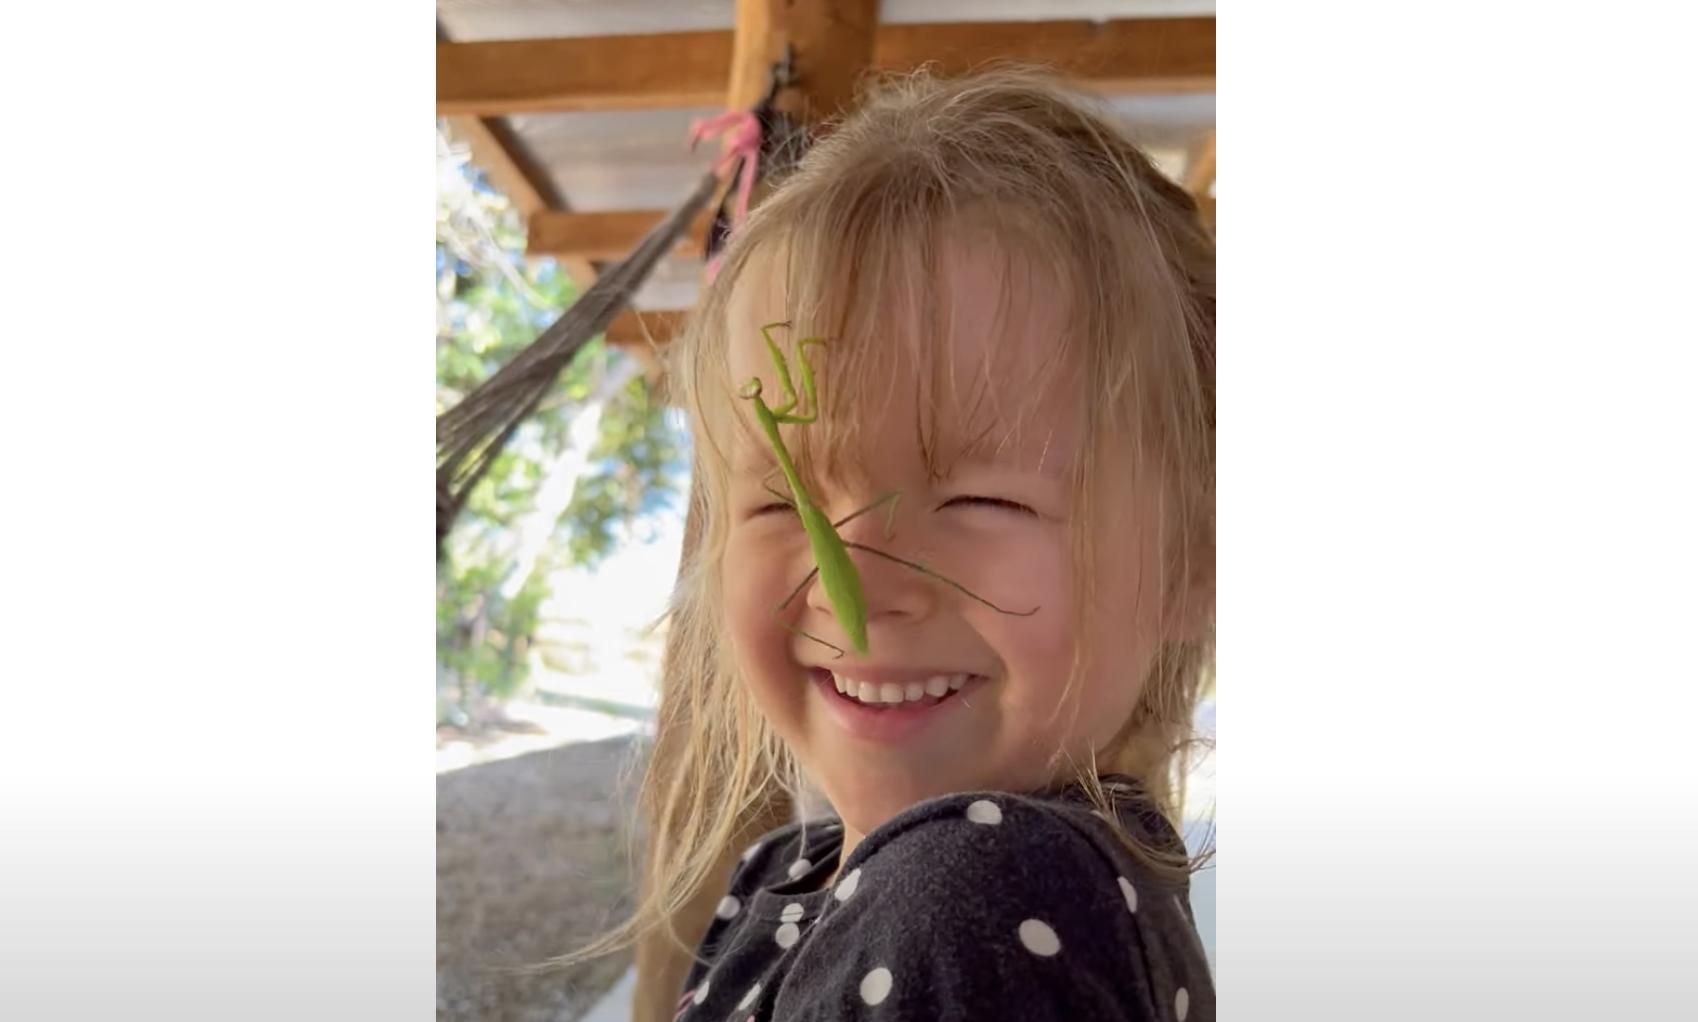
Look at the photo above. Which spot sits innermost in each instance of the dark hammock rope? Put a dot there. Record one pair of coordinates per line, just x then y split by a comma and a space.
472, 434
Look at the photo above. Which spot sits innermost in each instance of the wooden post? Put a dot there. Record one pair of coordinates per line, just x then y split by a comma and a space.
832, 43
1200, 178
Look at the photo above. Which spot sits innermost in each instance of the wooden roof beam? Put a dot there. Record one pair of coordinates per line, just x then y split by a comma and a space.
683, 69
631, 72
604, 237
1131, 55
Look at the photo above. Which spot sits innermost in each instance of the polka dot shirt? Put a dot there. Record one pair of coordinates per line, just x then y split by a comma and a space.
980, 906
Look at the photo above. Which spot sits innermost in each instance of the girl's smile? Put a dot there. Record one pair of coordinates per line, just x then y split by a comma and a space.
890, 711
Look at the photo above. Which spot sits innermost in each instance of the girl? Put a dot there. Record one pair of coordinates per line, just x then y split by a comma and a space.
1018, 321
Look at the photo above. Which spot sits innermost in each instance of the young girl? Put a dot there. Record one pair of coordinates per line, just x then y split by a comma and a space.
1017, 313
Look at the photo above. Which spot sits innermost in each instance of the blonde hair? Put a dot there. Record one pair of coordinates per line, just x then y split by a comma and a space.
861, 225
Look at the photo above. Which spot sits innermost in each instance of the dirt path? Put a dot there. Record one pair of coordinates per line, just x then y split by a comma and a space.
530, 862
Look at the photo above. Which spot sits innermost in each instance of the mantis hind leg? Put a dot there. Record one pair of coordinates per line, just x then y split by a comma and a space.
797, 631
958, 587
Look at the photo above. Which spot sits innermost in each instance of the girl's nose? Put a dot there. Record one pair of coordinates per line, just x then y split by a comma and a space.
893, 591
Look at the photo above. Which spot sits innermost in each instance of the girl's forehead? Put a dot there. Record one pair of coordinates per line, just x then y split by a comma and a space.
991, 322
982, 373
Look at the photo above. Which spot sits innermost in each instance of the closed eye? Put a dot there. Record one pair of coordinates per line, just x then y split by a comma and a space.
775, 506
997, 502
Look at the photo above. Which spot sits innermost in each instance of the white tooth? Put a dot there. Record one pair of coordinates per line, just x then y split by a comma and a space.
837, 679
937, 684
868, 692
957, 681
916, 691
891, 692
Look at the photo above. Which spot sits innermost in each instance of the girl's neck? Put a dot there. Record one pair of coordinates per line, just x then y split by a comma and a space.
851, 838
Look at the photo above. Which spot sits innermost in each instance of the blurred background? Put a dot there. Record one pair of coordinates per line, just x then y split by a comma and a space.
562, 138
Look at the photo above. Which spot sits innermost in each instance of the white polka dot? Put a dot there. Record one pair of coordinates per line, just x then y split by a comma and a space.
1181, 1004
846, 886
728, 907
1039, 938
749, 998
1131, 893
792, 913
875, 986
701, 992
799, 867
787, 935
984, 811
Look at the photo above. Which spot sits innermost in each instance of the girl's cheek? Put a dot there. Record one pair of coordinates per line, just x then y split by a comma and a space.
752, 586
1022, 569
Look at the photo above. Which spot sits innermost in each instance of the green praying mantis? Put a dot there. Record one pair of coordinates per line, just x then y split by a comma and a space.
837, 572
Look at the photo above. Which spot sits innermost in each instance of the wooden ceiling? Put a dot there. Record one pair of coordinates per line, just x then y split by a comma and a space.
498, 95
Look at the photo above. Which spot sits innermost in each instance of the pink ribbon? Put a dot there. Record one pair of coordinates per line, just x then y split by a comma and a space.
741, 131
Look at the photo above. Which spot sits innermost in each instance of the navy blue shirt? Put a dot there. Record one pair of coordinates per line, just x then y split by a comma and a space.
976, 906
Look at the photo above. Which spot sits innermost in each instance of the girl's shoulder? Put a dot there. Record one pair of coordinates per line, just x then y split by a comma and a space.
990, 830
1011, 902
1054, 846
1012, 818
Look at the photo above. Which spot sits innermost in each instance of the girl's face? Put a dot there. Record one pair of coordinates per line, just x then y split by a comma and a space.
997, 525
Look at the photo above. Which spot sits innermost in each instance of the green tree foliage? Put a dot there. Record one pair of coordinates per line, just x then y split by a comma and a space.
491, 303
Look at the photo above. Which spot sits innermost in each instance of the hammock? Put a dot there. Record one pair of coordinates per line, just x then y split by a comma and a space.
471, 435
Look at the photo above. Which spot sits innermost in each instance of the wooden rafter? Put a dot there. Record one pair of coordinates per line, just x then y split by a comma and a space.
635, 329
602, 236
1125, 56
633, 72
681, 69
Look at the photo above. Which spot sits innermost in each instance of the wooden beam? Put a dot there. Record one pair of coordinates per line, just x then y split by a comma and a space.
756, 44
1130, 55
1200, 166
604, 236
693, 68
521, 180
635, 329
833, 41
631, 72
643, 335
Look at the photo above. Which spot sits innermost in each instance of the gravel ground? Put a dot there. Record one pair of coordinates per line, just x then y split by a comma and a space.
531, 862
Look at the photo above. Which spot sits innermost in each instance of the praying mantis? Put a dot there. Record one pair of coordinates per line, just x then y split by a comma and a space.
837, 572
